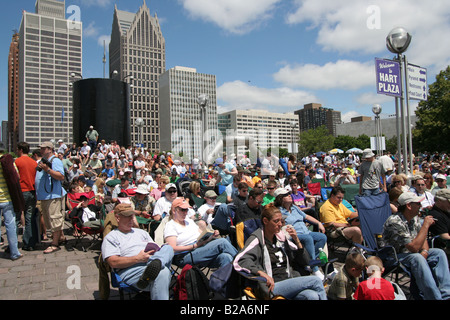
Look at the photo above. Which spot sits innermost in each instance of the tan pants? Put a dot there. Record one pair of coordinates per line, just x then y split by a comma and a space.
53, 212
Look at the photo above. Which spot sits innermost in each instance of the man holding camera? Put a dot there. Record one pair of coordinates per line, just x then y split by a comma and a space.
49, 190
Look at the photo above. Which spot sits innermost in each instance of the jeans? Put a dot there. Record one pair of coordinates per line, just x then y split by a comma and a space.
215, 254
9, 216
223, 217
301, 288
159, 288
30, 234
432, 274
371, 192
312, 242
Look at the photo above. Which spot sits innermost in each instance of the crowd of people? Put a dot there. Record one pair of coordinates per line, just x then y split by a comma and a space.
181, 196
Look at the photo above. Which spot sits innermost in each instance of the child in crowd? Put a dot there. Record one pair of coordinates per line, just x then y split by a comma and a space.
375, 287
346, 281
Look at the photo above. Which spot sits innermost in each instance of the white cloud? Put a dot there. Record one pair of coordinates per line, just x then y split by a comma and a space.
347, 117
105, 39
235, 16
239, 94
343, 74
91, 31
343, 27
97, 3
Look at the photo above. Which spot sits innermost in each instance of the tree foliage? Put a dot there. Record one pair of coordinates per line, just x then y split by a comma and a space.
432, 129
315, 140
347, 142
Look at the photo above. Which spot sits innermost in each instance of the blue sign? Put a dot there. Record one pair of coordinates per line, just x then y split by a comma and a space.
389, 81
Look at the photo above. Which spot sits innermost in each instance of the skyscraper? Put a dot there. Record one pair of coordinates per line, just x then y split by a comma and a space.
13, 94
314, 115
50, 51
182, 129
137, 55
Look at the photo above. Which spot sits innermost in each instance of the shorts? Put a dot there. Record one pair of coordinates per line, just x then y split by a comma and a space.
53, 212
335, 232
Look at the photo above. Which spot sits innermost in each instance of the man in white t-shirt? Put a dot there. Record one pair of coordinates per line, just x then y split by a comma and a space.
163, 205
206, 211
125, 250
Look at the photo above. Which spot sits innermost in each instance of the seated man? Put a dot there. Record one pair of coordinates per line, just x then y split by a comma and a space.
124, 249
427, 198
87, 213
336, 217
408, 236
441, 212
163, 205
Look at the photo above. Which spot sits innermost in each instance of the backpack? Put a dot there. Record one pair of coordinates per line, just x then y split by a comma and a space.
192, 284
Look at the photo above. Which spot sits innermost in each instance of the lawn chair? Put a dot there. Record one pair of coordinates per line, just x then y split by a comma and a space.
81, 231
351, 191
315, 190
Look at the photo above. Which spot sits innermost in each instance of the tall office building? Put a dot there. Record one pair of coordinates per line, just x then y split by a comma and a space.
267, 129
182, 129
137, 55
12, 136
50, 51
313, 115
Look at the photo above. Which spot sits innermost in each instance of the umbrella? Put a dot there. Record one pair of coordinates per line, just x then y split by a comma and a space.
320, 153
334, 151
355, 150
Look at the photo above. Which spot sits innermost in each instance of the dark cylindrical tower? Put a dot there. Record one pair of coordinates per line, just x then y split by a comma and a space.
104, 104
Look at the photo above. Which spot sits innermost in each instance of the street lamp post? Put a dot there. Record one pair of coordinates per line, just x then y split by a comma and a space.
398, 42
293, 126
376, 109
203, 100
140, 124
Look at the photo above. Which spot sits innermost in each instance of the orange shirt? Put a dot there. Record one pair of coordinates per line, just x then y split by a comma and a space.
27, 172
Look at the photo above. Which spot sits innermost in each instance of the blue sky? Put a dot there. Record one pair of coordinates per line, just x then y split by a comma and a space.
275, 55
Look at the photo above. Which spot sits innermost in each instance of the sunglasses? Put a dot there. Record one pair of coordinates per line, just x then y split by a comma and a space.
270, 188
172, 191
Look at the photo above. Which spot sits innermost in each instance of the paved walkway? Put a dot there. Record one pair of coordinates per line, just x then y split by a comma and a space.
63, 275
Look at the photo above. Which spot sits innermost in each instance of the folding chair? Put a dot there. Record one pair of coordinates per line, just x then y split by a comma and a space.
81, 231
351, 191
117, 282
315, 190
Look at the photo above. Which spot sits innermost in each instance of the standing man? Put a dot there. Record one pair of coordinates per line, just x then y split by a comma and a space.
92, 138
372, 175
10, 200
27, 174
49, 191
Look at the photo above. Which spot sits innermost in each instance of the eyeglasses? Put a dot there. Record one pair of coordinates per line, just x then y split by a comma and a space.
420, 185
171, 191
270, 188
213, 198
244, 190
396, 181
183, 210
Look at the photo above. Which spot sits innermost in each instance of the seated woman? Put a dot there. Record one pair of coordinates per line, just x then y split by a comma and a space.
313, 241
269, 254
157, 193
183, 234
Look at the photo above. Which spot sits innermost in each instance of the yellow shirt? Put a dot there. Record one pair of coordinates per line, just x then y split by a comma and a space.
4, 192
331, 213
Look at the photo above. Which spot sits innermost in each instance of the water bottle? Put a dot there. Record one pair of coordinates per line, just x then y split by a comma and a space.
323, 256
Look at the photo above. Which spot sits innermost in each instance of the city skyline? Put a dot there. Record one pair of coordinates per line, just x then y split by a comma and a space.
269, 54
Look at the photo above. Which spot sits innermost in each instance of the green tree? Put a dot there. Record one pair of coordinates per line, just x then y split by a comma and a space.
315, 140
432, 129
344, 142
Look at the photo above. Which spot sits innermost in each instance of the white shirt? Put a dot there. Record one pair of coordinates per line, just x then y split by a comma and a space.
186, 235
162, 207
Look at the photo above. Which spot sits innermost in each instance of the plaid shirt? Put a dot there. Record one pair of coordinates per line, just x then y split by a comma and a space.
398, 232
